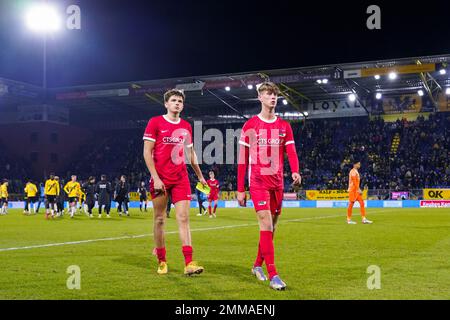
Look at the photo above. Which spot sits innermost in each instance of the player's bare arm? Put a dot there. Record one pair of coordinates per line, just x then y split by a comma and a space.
242, 168
148, 151
194, 164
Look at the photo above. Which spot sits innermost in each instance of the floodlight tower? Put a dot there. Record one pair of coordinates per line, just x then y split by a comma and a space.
42, 18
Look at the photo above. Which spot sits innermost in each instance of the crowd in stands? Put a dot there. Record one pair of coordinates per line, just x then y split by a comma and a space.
15, 170
326, 148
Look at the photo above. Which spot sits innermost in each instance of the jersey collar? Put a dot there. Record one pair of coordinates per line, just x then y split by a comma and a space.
170, 121
267, 121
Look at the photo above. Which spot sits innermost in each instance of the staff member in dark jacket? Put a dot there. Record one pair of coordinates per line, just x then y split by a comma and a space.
89, 189
104, 191
121, 195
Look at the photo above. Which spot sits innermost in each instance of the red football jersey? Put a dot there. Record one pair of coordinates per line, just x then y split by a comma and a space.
214, 185
170, 139
267, 141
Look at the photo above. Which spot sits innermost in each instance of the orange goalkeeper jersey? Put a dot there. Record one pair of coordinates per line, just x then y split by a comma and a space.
353, 180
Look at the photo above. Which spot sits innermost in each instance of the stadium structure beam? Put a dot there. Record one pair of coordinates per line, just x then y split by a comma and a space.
155, 99
148, 95
227, 104
352, 89
360, 86
430, 84
292, 102
267, 78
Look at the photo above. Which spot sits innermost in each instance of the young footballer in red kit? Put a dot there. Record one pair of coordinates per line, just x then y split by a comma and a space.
264, 141
213, 196
167, 140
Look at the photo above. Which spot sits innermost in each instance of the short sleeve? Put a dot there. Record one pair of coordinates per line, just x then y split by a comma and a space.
245, 139
150, 130
189, 143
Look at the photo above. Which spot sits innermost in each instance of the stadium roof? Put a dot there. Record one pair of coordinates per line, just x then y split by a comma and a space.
207, 96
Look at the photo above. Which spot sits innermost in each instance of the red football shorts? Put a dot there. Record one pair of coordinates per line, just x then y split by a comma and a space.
267, 200
179, 191
213, 197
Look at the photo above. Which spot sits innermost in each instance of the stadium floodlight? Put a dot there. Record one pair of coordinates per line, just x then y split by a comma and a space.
43, 18
420, 93
352, 97
305, 113
447, 91
392, 75
442, 71
227, 88
250, 87
378, 96
325, 81
377, 77
285, 102
319, 81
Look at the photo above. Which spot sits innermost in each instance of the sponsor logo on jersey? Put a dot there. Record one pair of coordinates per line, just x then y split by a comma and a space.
175, 140
269, 141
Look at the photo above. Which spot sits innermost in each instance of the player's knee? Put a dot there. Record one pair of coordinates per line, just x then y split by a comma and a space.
265, 226
182, 218
159, 220
265, 221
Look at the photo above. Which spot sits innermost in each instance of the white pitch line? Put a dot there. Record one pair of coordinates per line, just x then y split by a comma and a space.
169, 232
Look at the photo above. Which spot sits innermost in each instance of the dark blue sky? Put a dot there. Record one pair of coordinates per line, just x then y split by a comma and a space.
142, 40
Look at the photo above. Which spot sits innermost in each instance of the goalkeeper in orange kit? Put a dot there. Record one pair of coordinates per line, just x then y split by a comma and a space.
355, 194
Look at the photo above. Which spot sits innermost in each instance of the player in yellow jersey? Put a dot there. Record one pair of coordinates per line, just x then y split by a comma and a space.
355, 194
4, 197
31, 193
72, 188
51, 191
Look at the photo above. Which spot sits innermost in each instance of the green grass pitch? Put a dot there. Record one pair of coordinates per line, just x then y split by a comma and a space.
317, 254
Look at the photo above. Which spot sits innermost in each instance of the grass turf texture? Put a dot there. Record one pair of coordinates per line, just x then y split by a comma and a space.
317, 254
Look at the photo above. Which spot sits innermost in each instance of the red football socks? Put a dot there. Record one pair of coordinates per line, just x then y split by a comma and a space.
259, 258
161, 254
267, 251
187, 252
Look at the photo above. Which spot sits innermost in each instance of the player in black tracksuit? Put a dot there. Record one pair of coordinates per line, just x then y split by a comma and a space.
142, 196
60, 198
89, 188
121, 195
104, 191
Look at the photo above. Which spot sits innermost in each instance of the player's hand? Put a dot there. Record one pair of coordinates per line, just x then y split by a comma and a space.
297, 178
159, 186
241, 197
202, 181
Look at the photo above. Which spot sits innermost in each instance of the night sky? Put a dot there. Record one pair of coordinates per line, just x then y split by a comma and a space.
144, 40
